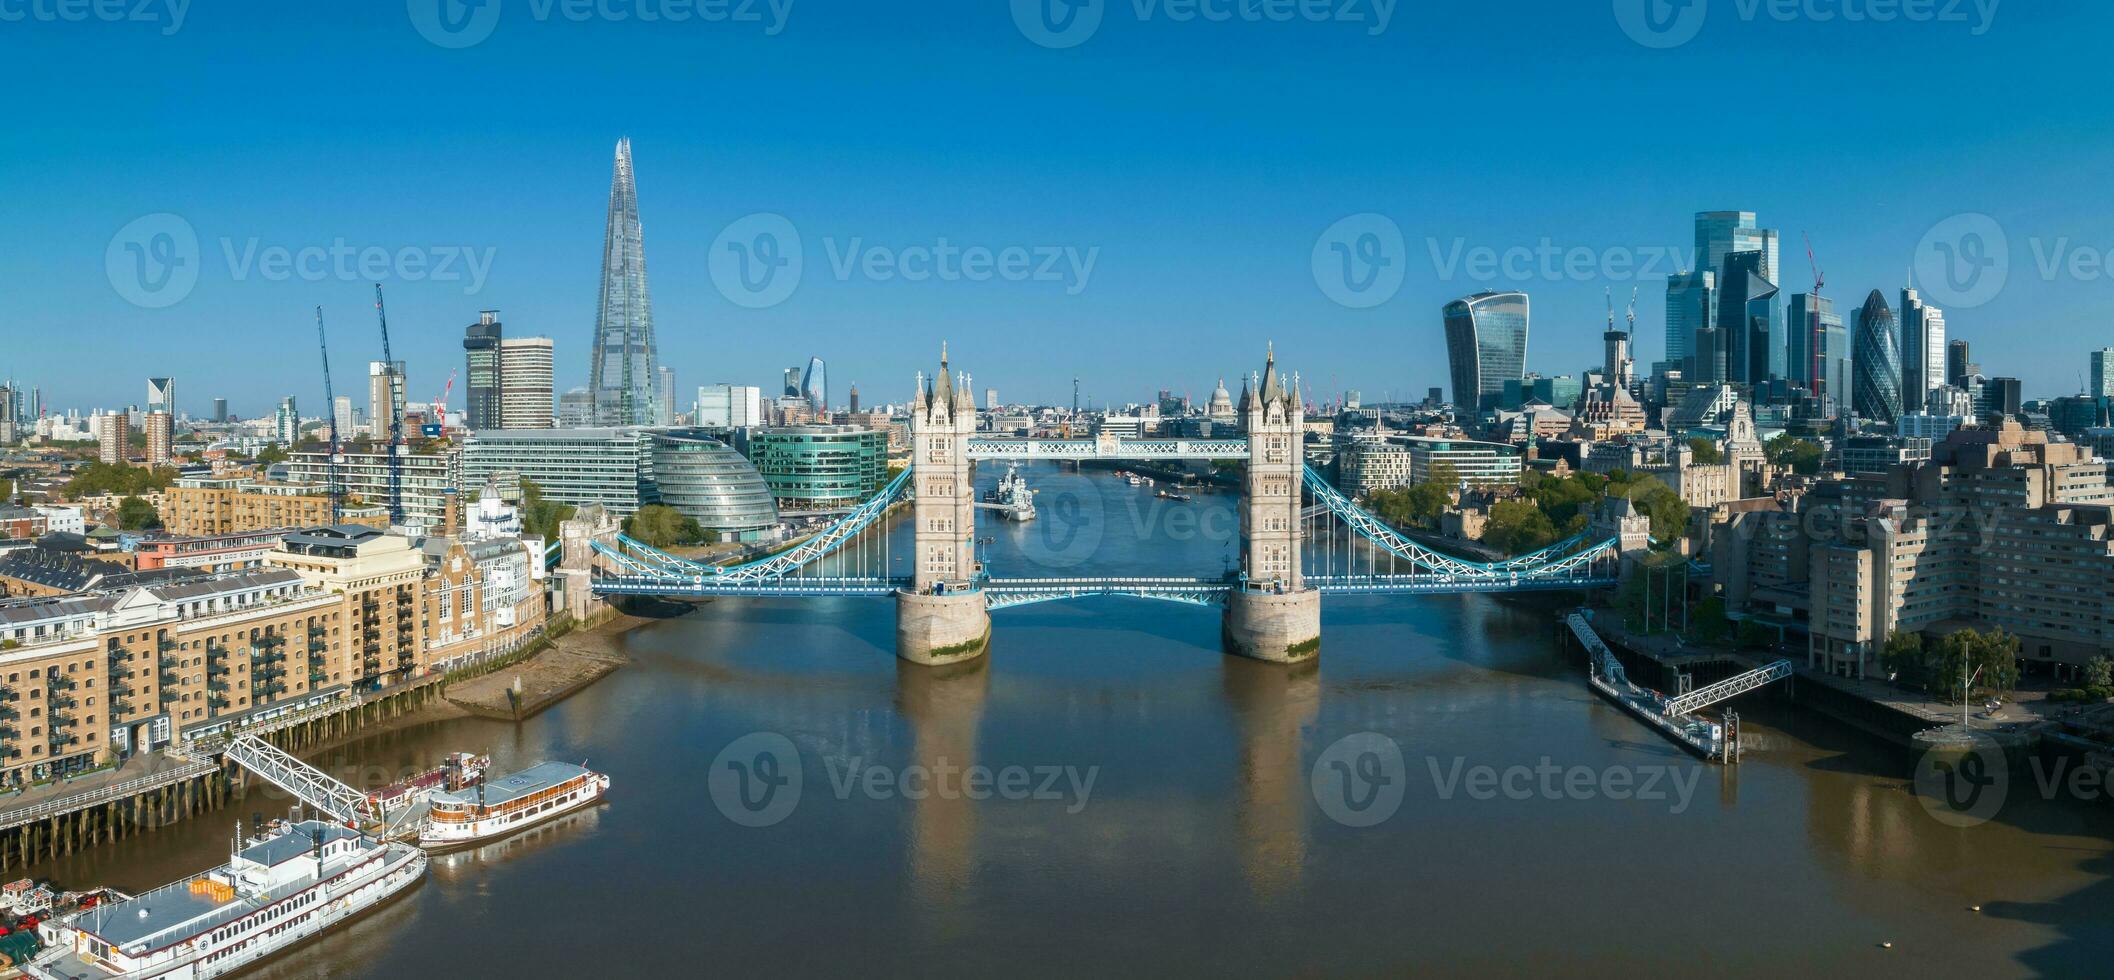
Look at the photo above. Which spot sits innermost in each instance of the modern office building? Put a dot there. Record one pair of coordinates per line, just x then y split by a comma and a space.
2102, 363
1474, 463
666, 409
792, 383
1922, 348
814, 386
343, 416
484, 377
621, 372
525, 365
820, 467
286, 423
728, 406
220, 410
712, 484
1817, 350
576, 409
607, 465
1875, 370
1723, 233
1486, 345
161, 395
385, 396
2001, 396
364, 476
1958, 368
1747, 320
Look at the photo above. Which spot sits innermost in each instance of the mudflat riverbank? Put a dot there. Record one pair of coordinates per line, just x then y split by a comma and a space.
568, 664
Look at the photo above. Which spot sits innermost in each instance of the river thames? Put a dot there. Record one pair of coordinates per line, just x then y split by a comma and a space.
1106, 793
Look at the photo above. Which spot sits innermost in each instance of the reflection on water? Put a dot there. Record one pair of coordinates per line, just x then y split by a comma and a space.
1200, 848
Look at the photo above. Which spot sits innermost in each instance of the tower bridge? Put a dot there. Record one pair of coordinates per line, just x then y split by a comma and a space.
1291, 551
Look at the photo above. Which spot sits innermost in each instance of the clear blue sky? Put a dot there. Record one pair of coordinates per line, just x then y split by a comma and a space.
1200, 159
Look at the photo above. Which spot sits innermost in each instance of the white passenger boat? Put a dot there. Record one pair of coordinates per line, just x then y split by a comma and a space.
497, 807
279, 890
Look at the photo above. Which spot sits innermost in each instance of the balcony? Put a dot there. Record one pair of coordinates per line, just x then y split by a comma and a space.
216, 702
120, 685
217, 668
59, 742
61, 682
169, 678
268, 689
262, 672
59, 720
216, 685
57, 700
121, 705
165, 662
8, 713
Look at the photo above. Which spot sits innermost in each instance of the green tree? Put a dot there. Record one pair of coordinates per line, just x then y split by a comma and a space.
1444, 474
271, 454
1706, 450
134, 514
1903, 655
1517, 526
662, 526
1991, 658
2099, 673
118, 478
1801, 455
540, 517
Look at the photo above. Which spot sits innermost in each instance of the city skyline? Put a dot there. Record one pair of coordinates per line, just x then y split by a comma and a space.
1171, 261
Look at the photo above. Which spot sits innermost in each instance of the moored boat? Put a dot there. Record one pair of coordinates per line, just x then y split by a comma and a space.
277, 891
497, 807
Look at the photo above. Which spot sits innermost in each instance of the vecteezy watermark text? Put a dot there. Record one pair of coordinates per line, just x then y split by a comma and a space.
155, 261
1070, 23
1548, 261
758, 261
464, 23
758, 780
945, 780
1361, 780
169, 14
1672, 23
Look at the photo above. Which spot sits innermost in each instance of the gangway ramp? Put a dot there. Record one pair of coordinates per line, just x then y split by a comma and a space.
1704, 697
307, 783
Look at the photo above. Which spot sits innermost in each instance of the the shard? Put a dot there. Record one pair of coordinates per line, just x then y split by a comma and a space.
623, 374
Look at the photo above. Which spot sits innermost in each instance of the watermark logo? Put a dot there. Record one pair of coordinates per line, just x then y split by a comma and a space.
1963, 786
1358, 262
1057, 24
756, 780
1069, 524
168, 14
757, 261
1661, 23
153, 261
1360, 779
1963, 261
946, 780
1547, 261
454, 23
467, 23
1671, 23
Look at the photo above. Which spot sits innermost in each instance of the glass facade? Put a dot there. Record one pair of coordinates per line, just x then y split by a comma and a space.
1922, 350
820, 467
608, 466
1818, 345
482, 380
1688, 309
1747, 320
622, 374
1486, 345
715, 486
815, 387
1876, 369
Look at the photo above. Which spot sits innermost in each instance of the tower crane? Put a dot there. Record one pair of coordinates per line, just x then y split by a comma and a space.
396, 421
1820, 384
332, 489
440, 404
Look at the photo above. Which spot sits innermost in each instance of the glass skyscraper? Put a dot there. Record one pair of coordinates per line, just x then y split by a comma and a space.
1721, 233
1688, 308
1486, 346
1876, 369
1747, 319
482, 384
1922, 349
622, 375
1819, 350
814, 386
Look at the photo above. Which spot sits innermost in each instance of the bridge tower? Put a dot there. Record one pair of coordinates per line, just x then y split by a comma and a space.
1272, 615
941, 618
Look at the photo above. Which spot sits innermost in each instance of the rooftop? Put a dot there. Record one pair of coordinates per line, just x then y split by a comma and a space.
507, 789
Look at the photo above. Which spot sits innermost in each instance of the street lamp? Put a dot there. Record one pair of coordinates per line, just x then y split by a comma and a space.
1966, 692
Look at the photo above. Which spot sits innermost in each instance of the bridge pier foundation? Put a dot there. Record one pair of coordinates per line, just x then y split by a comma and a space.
950, 628
1282, 628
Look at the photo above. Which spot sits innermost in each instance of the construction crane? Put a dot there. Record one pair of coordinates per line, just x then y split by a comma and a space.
1820, 280
331, 487
440, 404
396, 421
